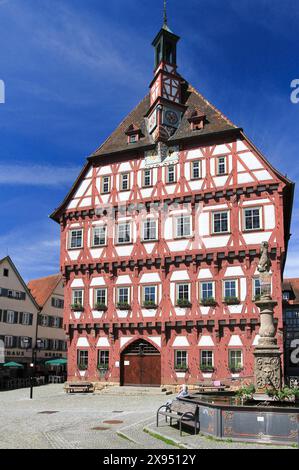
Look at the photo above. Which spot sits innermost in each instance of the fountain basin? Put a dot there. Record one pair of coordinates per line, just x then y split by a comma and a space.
224, 417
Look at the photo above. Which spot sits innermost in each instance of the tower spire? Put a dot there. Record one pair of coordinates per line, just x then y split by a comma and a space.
165, 14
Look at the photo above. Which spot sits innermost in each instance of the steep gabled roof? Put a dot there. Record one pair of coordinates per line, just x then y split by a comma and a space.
191, 99
292, 285
26, 289
42, 288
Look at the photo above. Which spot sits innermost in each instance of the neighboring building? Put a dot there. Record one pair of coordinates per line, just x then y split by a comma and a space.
18, 315
160, 241
290, 297
49, 295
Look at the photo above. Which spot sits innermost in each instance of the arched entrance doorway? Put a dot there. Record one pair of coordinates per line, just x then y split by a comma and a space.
141, 364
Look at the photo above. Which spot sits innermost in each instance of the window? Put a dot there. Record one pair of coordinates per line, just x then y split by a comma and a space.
76, 237
103, 358
286, 295
77, 297
8, 341
183, 226
220, 222
133, 138
24, 342
183, 291
57, 303
55, 344
101, 296
99, 235
26, 318
256, 288
125, 182
180, 359
10, 318
252, 219
149, 229
105, 184
5, 272
230, 288
44, 321
124, 233
82, 359
171, 176
150, 294
221, 166
56, 322
235, 357
123, 295
206, 359
207, 290
147, 178
195, 170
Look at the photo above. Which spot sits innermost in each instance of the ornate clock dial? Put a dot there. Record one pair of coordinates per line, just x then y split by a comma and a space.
171, 117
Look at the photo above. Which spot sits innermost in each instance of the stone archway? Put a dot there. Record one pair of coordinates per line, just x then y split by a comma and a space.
140, 364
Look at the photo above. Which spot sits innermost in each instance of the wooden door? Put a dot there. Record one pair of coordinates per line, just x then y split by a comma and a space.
141, 369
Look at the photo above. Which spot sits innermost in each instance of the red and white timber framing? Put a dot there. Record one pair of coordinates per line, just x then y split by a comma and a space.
250, 181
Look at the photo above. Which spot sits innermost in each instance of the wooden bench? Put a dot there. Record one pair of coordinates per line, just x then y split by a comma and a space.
210, 386
182, 412
75, 387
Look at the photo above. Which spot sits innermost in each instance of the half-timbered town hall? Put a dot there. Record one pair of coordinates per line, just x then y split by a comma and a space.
160, 241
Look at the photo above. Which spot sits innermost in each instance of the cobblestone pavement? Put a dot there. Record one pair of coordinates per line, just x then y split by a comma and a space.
23, 423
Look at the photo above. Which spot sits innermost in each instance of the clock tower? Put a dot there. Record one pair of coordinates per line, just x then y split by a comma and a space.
164, 115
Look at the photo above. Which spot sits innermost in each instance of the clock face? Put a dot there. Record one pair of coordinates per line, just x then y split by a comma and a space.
171, 117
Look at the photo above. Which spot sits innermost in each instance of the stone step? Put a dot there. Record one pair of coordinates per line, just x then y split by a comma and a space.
126, 390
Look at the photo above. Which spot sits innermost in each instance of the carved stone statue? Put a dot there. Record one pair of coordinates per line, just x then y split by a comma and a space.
264, 263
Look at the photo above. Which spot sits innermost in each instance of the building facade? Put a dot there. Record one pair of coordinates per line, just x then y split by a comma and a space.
290, 298
160, 241
18, 316
48, 293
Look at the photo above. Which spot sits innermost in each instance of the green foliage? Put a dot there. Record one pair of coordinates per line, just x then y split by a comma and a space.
123, 306
184, 303
245, 392
231, 300
101, 307
77, 307
149, 304
285, 394
208, 302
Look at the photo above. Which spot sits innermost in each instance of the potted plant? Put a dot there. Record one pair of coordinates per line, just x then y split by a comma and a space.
231, 300
183, 303
286, 394
257, 297
235, 367
181, 367
206, 368
123, 306
82, 366
103, 367
246, 392
149, 304
77, 307
208, 302
100, 306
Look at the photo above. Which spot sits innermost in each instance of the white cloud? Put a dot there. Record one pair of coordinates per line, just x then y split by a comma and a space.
37, 175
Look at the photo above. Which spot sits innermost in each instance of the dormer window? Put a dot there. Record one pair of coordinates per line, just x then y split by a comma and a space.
286, 295
134, 134
197, 120
133, 138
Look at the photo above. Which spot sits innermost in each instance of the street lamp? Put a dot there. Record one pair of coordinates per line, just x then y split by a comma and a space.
38, 346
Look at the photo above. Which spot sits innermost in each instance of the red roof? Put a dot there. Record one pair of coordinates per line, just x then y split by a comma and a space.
292, 285
42, 288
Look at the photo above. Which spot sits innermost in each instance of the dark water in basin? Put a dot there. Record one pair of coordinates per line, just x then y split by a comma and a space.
230, 399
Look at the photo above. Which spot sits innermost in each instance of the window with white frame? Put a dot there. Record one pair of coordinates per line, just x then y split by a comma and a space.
252, 218
99, 235
8, 341
235, 358
207, 290
221, 166
101, 296
78, 297
220, 222
56, 322
206, 358
183, 291
10, 317
149, 295
230, 288
124, 181
124, 232
103, 358
171, 175
26, 318
196, 170
123, 295
256, 288
44, 320
147, 178
76, 238
105, 184
82, 359
180, 359
183, 226
150, 229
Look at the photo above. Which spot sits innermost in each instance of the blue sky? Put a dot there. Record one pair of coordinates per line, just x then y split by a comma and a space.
74, 68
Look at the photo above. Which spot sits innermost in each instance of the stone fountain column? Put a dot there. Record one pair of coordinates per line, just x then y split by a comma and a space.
267, 362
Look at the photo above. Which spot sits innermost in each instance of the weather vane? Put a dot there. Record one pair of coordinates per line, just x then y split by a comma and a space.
165, 13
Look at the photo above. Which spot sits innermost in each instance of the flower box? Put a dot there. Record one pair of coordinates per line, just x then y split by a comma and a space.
183, 303
209, 302
204, 368
123, 306
82, 367
181, 368
77, 307
235, 369
103, 367
231, 300
100, 307
149, 304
